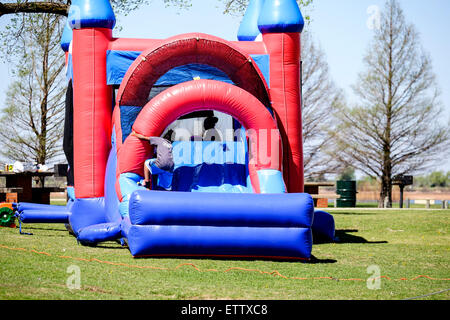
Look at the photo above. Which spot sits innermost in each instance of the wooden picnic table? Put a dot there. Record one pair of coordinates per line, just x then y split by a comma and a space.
320, 200
21, 184
313, 187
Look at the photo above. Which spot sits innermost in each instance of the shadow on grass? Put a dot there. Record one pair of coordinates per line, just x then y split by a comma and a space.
356, 212
346, 236
312, 260
110, 246
43, 229
315, 260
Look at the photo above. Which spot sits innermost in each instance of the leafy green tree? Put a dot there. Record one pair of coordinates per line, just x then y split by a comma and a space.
348, 174
434, 179
438, 179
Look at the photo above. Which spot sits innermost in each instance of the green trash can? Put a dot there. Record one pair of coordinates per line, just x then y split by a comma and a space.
347, 191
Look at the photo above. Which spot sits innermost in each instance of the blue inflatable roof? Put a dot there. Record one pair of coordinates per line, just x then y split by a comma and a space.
91, 14
248, 30
279, 16
120, 61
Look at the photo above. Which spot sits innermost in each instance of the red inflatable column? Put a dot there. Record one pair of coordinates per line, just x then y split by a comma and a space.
285, 92
92, 110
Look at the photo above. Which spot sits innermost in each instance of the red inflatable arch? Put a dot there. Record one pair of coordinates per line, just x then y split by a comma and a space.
192, 96
185, 49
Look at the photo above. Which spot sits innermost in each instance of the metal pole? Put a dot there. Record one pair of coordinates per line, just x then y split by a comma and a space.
401, 196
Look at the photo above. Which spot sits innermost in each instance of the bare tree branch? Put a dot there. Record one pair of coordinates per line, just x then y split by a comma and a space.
34, 7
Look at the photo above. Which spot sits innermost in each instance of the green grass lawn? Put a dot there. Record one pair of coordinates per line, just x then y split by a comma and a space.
402, 244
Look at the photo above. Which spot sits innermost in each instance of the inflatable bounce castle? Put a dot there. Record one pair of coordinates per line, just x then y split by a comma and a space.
241, 197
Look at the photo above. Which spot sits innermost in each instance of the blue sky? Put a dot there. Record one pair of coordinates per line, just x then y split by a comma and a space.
340, 26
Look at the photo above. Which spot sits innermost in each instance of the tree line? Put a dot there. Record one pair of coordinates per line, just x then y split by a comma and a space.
394, 128
435, 179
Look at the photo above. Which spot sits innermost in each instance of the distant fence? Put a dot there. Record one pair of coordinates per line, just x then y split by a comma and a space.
414, 195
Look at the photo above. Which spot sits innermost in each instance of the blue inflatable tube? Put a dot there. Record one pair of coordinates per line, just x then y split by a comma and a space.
125, 226
100, 232
218, 224
220, 241
43, 207
38, 216
221, 209
323, 226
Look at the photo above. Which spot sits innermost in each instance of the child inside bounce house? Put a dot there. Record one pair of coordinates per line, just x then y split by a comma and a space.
162, 165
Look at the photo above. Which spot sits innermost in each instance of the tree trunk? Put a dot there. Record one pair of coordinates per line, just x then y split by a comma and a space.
386, 179
385, 200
